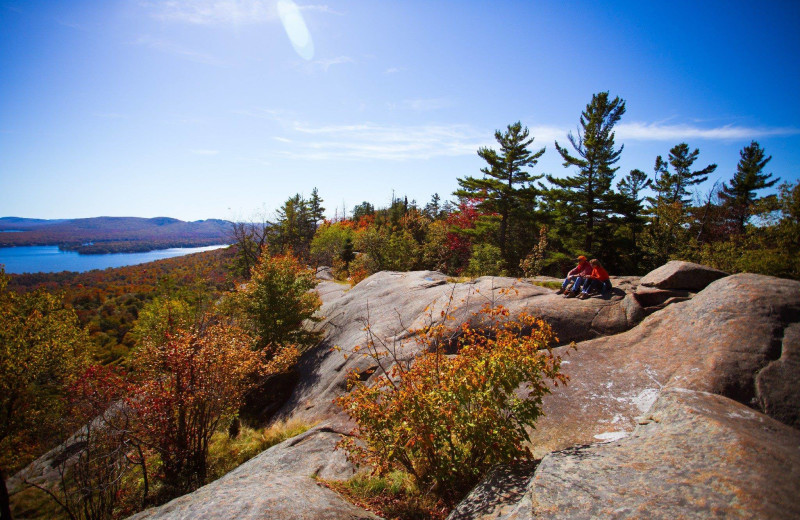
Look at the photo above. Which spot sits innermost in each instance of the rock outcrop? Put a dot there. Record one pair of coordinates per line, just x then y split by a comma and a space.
682, 275
694, 455
683, 401
394, 303
732, 339
275, 485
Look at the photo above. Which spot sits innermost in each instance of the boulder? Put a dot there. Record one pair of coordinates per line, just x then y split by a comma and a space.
682, 275
651, 297
736, 338
324, 272
777, 385
277, 484
694, 455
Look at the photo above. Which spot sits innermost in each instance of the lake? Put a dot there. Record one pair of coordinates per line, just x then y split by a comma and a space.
50, 259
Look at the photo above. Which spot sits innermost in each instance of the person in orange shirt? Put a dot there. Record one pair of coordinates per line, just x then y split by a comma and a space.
597, 280
581, 271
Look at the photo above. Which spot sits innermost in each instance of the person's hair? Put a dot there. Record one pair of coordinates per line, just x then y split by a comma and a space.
595, 261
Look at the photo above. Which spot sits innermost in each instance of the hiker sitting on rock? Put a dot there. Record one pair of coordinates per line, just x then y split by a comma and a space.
581, 272
597, 280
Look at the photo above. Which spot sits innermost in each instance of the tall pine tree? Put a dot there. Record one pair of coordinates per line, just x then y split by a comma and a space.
506, 186
673, 186
317, 212
586, 200
740, 196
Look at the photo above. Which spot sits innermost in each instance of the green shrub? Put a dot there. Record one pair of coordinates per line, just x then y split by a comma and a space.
276, 302
486, 260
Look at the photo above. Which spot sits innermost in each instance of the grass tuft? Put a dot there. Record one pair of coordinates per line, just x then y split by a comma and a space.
460, 279
225, 453
549, 285
391, 496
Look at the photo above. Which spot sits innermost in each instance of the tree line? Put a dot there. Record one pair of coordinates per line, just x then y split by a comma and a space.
513, 221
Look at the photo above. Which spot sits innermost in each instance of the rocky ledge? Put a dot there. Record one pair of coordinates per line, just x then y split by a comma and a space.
683, 401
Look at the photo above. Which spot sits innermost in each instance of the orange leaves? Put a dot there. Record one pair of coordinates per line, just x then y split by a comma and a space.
188, 385
447, 419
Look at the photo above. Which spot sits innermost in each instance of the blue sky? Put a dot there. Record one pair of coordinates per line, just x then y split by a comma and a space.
207, 109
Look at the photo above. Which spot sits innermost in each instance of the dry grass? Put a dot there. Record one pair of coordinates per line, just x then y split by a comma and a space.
225, 453
549, 285
34, 503
394, 496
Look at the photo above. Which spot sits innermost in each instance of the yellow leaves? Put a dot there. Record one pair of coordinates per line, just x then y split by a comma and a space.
41, 350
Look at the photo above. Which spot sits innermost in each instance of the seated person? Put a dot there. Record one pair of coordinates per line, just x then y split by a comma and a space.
597, 280
582, 270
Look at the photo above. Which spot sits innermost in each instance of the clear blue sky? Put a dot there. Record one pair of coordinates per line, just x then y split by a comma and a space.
208, 108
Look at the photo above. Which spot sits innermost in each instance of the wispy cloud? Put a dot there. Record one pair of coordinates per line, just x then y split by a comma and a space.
677, 132
214, 12
179, 51
320, 9
423, 105
71, 25
373, 141
269, 114
223, 12
545, 135
327, 64
307, 141
392, 70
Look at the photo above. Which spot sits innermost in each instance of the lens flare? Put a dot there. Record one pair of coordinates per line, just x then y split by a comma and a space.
296, 29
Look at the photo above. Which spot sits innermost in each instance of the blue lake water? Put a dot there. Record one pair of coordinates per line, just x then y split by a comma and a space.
50, 259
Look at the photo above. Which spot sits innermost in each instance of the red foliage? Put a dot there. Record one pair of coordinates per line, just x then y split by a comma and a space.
458, 242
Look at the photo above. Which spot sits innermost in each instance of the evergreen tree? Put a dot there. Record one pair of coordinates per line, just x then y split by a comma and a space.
364, 209
586, 200
632, 211
316, 211
294, 227
740, 197
433, 208
670, 208
674, 186
506, 186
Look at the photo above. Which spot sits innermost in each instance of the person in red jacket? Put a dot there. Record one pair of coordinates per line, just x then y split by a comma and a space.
597, 280
577, 275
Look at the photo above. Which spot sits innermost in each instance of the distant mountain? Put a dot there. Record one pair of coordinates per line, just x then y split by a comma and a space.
113, 234
17, 223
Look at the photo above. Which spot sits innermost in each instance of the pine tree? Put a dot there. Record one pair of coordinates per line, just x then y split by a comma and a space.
632, 210
294, 227
586, 200
365, 209
433, 208
674, 186
317, 212
506, 186
631, 205
740, 197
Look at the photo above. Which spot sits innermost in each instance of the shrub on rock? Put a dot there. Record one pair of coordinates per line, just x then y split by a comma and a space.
447, 419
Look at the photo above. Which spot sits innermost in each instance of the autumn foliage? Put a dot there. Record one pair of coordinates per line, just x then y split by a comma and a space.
189, 384
447, 419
